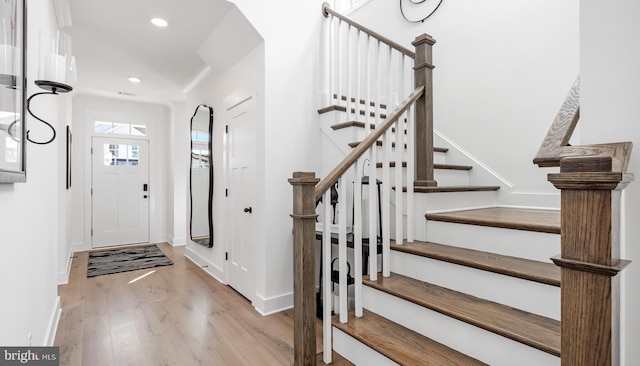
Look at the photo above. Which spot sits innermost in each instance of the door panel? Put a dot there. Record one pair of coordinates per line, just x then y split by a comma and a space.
119, 204
242, 159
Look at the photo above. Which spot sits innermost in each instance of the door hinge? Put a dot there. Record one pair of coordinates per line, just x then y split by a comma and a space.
226, 129
91, 232
226, 192
92, 191
226, 256
92, 150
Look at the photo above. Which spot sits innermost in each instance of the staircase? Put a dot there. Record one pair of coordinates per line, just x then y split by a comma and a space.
480, 273
476, 294
466, 281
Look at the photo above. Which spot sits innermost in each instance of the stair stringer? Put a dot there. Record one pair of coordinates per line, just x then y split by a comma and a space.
468, 339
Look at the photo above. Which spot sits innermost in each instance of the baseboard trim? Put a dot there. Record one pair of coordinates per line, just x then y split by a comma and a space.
177, 242
52, 328
213, 270
160, 239
63, 276
80, 247
274, 304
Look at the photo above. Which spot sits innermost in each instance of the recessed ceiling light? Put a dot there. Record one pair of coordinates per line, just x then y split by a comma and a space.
134, 79
159, 22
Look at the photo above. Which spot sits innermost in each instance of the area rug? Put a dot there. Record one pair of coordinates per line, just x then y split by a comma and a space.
126, 259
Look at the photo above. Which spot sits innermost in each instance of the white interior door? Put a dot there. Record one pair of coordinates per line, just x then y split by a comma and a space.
120, 191
241, 145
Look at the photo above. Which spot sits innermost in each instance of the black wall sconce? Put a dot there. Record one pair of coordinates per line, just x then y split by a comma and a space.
56, 69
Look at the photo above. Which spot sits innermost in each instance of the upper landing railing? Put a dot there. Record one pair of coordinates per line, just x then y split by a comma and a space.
362, 65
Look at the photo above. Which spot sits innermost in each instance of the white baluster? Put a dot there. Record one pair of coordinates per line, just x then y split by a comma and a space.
357, 76
342, 249
327, 296
367, 106
373, 159
399, 138
339, 65
410, 173
357, 238
349, 76
386, 186
332, 61
399, 125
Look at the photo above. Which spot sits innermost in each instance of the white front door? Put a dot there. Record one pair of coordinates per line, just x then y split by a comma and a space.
241, 150
120, 191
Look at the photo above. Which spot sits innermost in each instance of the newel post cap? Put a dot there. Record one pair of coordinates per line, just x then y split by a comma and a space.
589, 172
422, 39
304, 178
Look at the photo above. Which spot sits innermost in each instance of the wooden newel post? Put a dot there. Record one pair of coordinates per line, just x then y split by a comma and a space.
423, 76
304, 268
589, 259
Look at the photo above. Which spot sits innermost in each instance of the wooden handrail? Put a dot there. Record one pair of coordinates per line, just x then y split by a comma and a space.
555, 145
362, 147
326, 10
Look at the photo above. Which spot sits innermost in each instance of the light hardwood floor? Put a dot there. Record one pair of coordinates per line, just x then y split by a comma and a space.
176, 315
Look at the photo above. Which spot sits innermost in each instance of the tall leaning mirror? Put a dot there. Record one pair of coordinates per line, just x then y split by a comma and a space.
12, 90
201, 177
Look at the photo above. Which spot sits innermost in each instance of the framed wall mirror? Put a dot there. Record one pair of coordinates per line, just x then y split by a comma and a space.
13, 90
201, 176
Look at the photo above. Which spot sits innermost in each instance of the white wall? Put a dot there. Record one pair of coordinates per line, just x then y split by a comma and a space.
291, 134
610, 91
502, 71
31, 224
283, 71
178, 174
86, 108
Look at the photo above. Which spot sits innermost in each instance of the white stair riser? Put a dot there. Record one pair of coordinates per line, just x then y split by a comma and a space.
468, 339
444, 177
430, 202
515, 243
357, 352
439, 157
451, 201
522, 294
449, 177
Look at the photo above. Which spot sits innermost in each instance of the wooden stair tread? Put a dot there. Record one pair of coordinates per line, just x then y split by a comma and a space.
447, 189
546, 221
392, 164
521, 326
336, 360
547, 273
341, 108
400, 344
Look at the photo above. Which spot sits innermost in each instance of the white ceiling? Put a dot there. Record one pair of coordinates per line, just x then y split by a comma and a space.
114, 39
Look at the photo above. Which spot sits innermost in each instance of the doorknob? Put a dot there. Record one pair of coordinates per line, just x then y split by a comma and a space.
145, 196
248, 209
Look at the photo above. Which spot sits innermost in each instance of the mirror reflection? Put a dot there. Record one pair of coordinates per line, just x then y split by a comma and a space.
12, 91
201, 177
